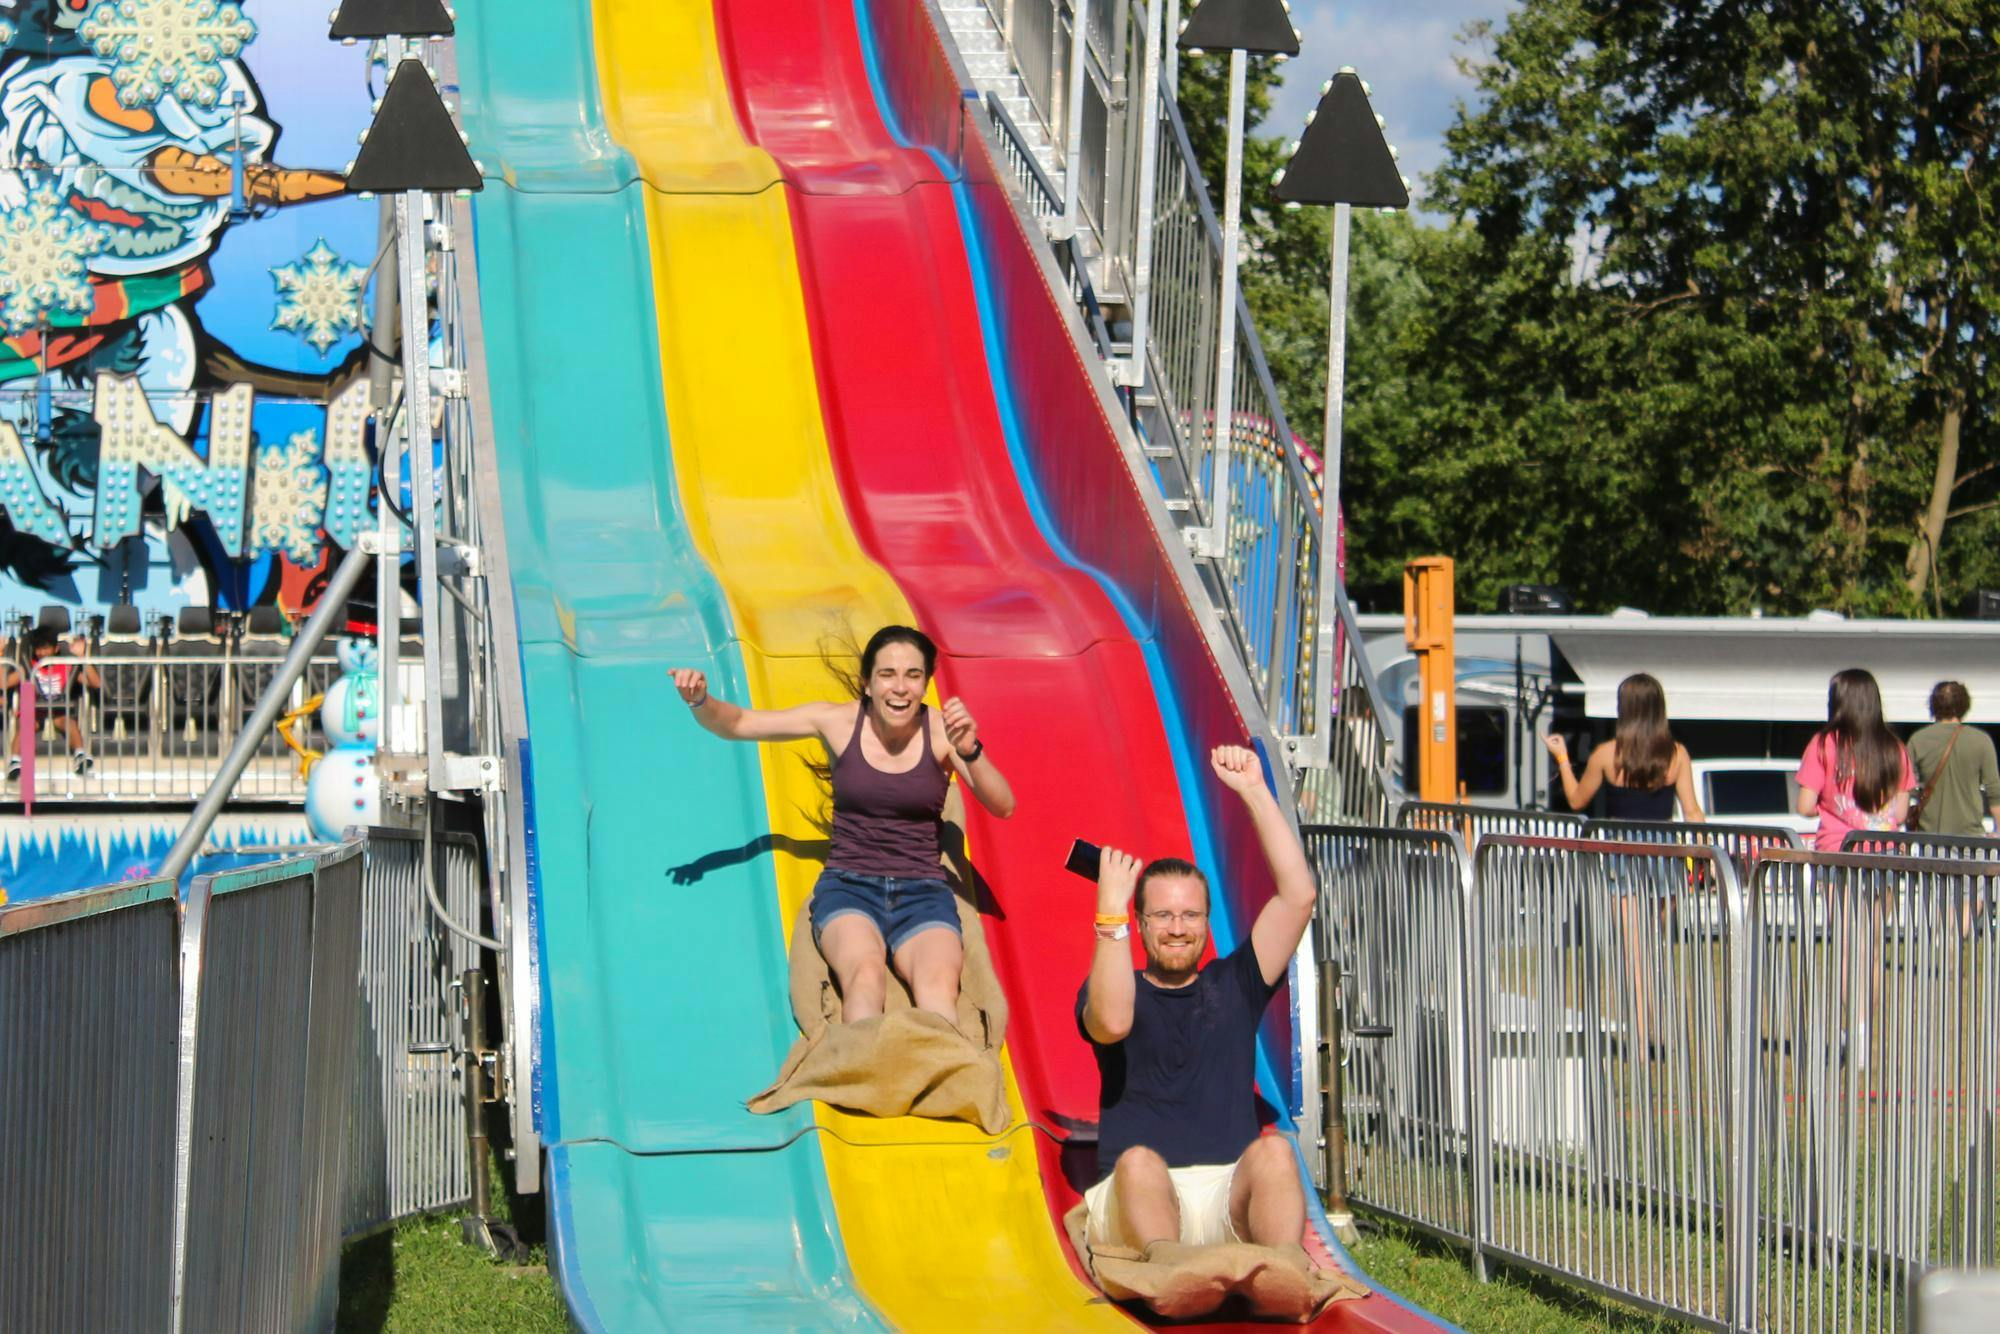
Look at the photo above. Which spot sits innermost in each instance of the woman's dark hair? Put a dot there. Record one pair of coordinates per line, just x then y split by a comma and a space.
44, 637
895, 634
1643, 746
1950, 699
1869, 754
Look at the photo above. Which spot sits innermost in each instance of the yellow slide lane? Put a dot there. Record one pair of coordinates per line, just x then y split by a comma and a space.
944, 1227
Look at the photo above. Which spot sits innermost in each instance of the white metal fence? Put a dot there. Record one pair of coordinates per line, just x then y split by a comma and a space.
159, 725
406, 1128
1759, 1102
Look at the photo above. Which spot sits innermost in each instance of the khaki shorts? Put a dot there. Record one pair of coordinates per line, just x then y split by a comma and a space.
1203, 1193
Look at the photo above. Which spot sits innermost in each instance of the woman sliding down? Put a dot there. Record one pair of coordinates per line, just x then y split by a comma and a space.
881, 899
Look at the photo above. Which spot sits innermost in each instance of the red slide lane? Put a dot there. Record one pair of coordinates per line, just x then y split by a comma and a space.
1033, 644
1039, 654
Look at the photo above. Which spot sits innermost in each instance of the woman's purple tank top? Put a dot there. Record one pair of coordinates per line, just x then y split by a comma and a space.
883, 823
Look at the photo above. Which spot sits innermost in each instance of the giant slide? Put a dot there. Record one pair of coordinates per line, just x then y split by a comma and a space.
774, 362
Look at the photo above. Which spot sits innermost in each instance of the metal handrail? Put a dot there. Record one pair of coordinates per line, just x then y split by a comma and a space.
1068, 247
1267, 582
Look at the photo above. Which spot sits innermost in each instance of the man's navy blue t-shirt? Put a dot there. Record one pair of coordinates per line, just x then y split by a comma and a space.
1182, 1083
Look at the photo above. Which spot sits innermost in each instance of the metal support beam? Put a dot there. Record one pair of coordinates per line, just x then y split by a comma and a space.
1133, 372
410, 248
1214, 542
1318, 749
1079, 72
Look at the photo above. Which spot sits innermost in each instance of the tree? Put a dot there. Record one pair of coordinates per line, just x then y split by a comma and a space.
1776, 226
1711, 325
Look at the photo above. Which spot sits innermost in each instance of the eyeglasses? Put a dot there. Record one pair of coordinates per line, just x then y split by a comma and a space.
1195, 918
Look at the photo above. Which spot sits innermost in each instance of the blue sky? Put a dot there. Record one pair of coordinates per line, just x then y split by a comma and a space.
1405, 49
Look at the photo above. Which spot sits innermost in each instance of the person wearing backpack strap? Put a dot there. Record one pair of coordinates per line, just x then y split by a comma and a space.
1958, 775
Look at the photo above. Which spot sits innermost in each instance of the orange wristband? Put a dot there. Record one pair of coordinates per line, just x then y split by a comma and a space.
1111, 919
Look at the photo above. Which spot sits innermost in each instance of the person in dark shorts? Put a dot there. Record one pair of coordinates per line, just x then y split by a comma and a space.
1642, 772
1958, 778
1179, 1146
882, 899
55, 685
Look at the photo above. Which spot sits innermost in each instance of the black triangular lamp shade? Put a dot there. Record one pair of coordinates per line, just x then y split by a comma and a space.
1342, 157
413, 144
1261, 27
367, 19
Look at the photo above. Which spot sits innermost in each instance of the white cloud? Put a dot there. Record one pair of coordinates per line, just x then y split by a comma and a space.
1405, 49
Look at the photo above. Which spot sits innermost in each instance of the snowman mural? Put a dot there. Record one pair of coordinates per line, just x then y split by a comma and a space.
131, 139
344, 788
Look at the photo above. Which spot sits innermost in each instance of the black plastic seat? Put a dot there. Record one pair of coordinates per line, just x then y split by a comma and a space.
194, 687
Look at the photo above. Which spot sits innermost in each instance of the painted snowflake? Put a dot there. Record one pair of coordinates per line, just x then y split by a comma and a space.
319, 296
45, 249
288, 501
167, 46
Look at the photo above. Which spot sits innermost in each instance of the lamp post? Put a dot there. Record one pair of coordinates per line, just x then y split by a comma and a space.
411, 150
1240, 27
1341, 159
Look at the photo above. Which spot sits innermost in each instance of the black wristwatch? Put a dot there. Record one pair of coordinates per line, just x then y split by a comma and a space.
978, 749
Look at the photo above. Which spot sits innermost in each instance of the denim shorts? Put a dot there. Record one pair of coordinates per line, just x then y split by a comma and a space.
898, 907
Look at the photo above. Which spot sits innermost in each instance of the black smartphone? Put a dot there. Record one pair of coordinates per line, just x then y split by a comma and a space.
1083, 860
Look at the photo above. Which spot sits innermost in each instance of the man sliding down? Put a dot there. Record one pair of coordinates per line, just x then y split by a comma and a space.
1176, 1048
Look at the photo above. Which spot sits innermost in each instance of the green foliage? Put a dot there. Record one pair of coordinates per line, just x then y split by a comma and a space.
1710, 324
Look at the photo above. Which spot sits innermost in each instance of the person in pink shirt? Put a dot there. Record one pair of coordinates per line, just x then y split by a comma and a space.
1855, 774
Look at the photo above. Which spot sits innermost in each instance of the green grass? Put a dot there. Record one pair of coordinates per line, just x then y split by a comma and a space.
421, 1276
1440, 1280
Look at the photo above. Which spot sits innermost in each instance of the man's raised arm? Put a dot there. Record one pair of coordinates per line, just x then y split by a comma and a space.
1282, 924
1107, 1003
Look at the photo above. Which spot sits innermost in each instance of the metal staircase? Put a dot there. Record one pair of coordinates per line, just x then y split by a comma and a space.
1138, 237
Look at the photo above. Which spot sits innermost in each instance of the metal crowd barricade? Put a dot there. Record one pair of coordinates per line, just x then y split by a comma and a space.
406, 1150
1476, 823
1876, 1050
88, 1025
1392, 914
1914, 843
1602, 1000
270, 966
1743, 844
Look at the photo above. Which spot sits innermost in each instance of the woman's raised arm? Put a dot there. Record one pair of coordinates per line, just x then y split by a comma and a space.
733, 722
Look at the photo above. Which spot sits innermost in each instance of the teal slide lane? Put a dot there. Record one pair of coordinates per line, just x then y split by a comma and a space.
663, 1005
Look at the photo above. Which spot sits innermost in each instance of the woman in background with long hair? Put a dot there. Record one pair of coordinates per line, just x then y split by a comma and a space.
1642, 771
1855, 774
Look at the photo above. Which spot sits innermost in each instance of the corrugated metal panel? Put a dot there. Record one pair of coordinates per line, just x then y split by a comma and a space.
254, 990
406, 1147
272, 959
331, 1066
87, 1090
